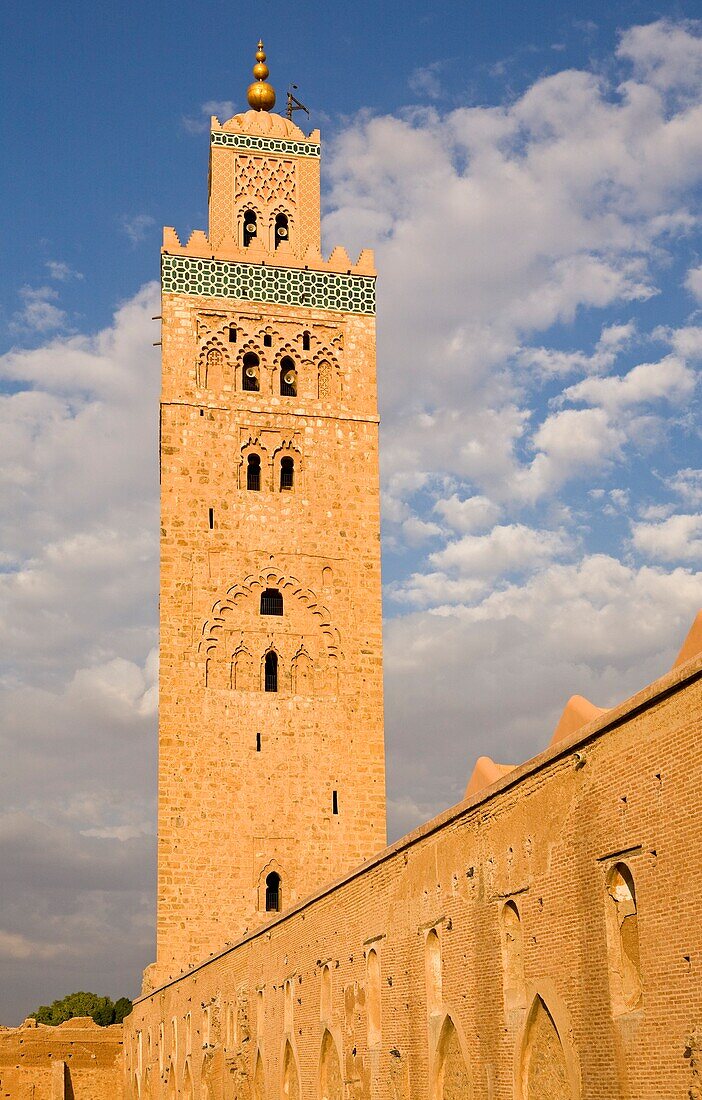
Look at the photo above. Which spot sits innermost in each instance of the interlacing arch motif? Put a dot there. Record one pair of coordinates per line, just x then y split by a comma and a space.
269, 179
291, 590
212, 364
328, 374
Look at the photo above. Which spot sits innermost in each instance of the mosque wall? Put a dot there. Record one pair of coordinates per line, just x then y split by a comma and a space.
539, 941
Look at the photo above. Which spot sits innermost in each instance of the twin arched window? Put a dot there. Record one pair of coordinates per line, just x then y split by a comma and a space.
253, 473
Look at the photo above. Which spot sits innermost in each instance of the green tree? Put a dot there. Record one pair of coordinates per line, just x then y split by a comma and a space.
102, 1010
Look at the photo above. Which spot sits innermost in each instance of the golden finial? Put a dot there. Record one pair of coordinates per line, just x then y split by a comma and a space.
260, 94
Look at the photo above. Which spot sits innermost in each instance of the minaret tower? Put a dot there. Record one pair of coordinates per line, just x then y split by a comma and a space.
271, 763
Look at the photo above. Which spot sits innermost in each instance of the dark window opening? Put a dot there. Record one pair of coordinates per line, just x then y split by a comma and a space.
253, 473
268, 340
250, 227
249, 372
202, 412
281, 228
288, 377
258, 742
335, 802
232, 334
273, 892
271, 672
271, 602
305, 341
211, 511
287, 473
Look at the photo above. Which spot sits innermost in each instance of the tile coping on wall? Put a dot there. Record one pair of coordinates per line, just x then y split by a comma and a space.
665, 686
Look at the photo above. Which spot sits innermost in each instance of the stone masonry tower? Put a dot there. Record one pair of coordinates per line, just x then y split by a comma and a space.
271, 763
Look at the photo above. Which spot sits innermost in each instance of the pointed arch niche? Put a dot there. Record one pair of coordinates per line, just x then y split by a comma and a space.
451, 1079
330, 1079
236, 638
291, 1077
547, 1068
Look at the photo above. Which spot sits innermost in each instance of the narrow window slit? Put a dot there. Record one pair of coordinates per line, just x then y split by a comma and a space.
211, 517
335, 802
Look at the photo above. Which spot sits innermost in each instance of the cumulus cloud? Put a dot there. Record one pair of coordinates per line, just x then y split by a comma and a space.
505, 549
675, 539
38, 313
136, 226
693, 282
61, 271
668, 380
78, 693
199, 123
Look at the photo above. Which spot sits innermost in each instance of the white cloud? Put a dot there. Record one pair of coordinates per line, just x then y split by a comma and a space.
505, 549
224, 109
492, 674
61, 271
675, 539
687, 484
666, 54
693, 282
425, 80
39, 312
136, 226
668, 380
473, 514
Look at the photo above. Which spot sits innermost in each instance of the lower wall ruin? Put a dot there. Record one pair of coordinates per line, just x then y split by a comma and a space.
541, 941
77, 1060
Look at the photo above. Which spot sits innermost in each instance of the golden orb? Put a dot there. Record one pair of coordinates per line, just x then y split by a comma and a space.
261, 96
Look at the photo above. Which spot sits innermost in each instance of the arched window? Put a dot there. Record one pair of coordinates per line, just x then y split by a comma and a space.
232, 334
271, 671
373, 1006
512, 956
623, 940
287, 473
271, 602
250, 227
432, 967
305, 341
273, 892
288, 377
250, 373
253, 473
281, 228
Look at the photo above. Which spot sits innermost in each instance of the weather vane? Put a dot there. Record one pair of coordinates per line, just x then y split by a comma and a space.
294, 103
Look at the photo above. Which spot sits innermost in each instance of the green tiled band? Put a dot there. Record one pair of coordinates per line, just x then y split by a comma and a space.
290, 286
256, 144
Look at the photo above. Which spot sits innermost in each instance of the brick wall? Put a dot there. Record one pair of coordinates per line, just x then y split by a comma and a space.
409, 977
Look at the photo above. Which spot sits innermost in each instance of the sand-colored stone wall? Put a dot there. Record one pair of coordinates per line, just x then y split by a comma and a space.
542, 941
77, 1060
252, 781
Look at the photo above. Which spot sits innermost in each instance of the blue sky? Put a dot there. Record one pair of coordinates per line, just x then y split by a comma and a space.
530, 177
